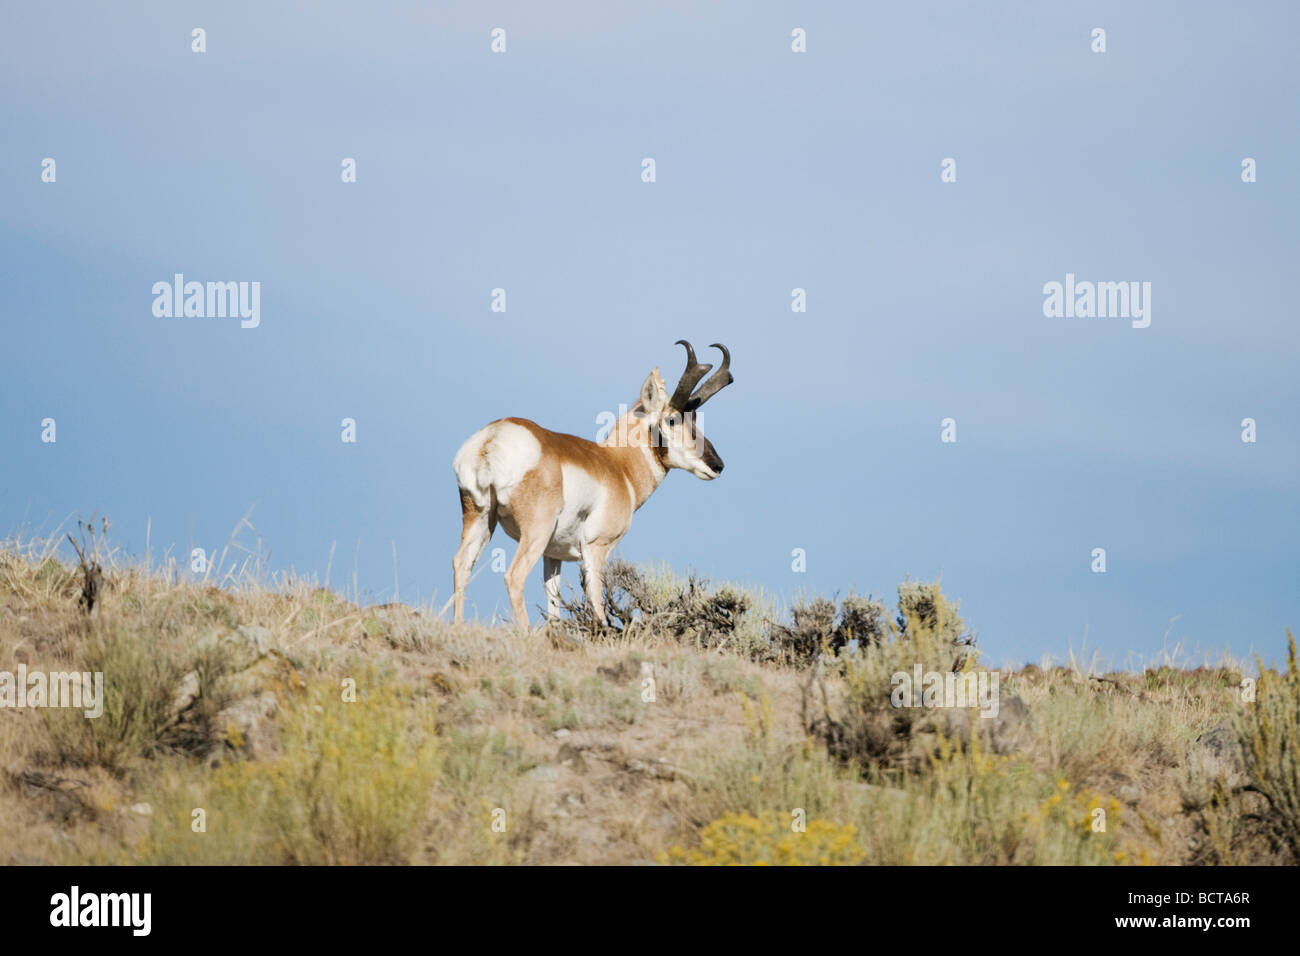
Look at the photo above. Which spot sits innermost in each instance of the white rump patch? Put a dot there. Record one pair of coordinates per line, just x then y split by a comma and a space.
511, 452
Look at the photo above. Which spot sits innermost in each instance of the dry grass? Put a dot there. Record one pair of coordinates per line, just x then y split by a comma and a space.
316, 730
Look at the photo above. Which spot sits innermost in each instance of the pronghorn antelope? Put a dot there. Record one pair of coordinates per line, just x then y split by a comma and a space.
565, 498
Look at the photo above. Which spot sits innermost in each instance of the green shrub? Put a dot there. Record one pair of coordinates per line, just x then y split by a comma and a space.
352, 783
141, 678
1269, 731
973, 807
659, 602
818, 628
770, 839
863, 725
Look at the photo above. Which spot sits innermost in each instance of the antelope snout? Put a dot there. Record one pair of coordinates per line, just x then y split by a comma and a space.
711, 459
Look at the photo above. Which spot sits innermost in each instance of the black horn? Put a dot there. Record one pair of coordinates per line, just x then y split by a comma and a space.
714, 384
695, 371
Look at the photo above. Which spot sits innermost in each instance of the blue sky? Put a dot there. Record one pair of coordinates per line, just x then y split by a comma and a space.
775, 170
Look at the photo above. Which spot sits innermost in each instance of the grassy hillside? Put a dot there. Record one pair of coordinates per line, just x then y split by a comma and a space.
280, 723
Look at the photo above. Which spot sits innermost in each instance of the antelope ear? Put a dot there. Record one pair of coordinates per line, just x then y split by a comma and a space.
654, 394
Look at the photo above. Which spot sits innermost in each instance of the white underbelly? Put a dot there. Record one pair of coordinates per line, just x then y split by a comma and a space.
583, 498
573, 525
566, 543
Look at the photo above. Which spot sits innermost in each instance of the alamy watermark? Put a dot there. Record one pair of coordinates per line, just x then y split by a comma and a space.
130, 910
210, 300
619, 425
81, 690
924, 688
1098, 300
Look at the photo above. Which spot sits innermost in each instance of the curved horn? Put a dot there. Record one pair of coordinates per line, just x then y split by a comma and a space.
695, 370
715, 383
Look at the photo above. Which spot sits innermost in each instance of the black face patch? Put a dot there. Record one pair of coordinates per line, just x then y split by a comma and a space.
710, 457
660, 449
